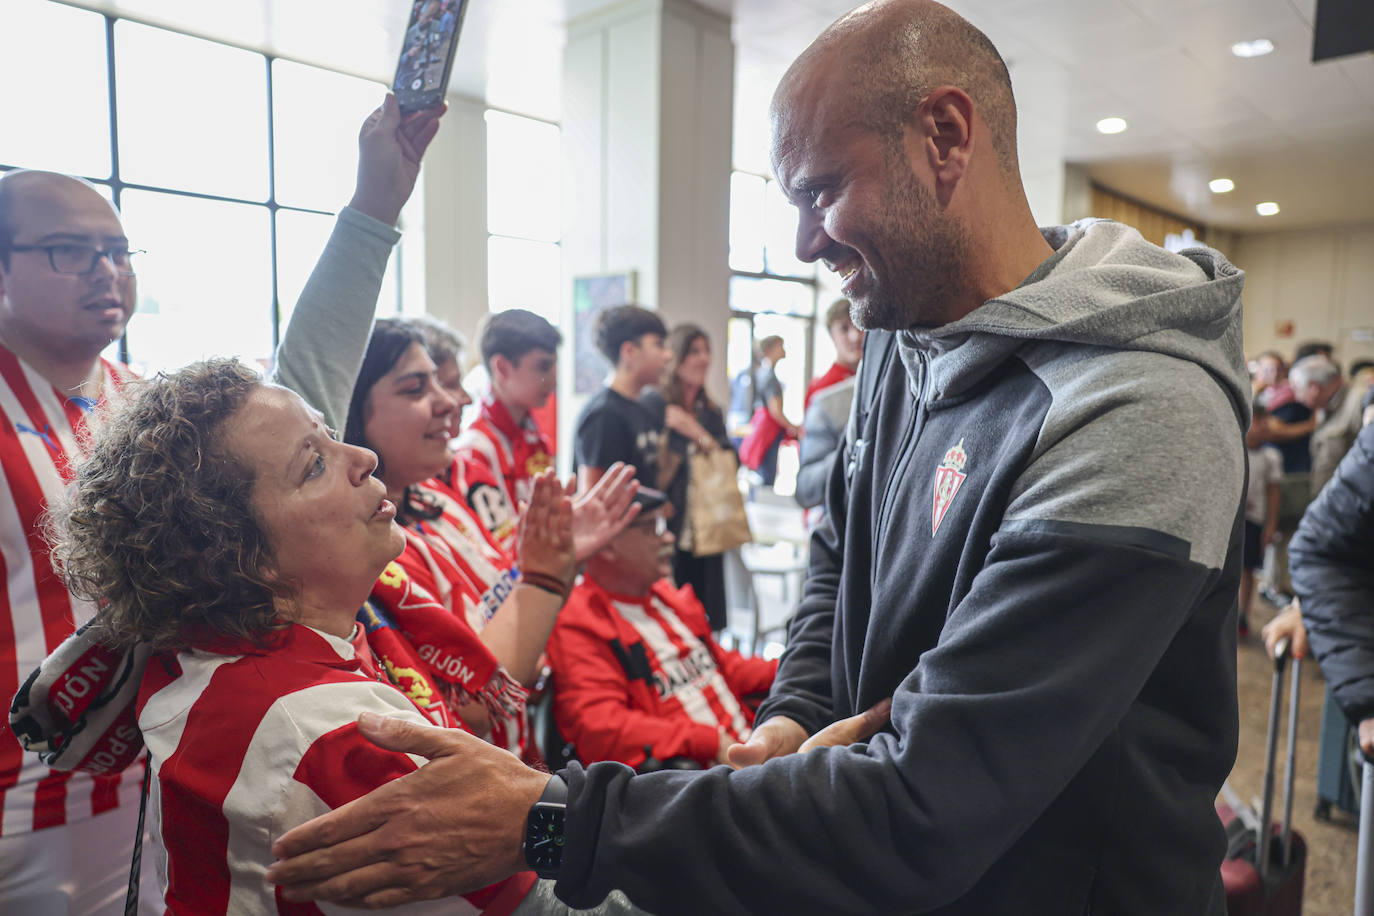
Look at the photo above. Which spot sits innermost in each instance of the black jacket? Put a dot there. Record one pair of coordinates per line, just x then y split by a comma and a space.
1332, 563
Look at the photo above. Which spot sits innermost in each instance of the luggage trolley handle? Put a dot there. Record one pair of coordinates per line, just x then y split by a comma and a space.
1364, 881
1263, 848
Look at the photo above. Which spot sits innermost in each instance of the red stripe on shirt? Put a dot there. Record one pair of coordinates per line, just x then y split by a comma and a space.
342, 765
29, 502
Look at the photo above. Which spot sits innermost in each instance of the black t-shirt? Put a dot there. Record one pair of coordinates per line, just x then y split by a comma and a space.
1297, 454
613, 428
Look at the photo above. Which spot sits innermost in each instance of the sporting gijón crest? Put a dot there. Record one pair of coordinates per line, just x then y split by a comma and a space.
949, 476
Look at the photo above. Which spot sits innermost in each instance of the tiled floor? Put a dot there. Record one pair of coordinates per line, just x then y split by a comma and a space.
1330, 887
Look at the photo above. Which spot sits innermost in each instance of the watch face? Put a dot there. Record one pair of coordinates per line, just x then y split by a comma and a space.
544, 837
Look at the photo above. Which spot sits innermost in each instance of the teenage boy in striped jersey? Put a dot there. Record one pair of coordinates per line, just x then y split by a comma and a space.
502, 452
636, 672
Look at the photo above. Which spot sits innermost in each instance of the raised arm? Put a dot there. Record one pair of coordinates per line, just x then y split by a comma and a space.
323, 346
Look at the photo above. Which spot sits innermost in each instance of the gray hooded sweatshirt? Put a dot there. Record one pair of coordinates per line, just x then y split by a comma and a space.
1032, 545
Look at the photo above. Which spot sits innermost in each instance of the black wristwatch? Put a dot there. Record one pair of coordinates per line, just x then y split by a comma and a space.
543, 846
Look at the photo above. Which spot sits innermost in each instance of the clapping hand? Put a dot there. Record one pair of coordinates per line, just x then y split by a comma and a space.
604, 510
544, 543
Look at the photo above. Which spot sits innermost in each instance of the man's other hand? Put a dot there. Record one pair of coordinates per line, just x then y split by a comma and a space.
453, 826
851, 730
1288, 623
777, 737
389, 154
1367, 738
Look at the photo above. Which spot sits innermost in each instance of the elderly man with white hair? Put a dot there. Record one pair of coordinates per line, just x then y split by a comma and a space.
1317, 384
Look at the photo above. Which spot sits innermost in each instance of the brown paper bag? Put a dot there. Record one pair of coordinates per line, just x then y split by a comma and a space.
715, 508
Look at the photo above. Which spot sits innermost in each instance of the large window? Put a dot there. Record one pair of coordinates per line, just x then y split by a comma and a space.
227, 165
524, 260
771, 293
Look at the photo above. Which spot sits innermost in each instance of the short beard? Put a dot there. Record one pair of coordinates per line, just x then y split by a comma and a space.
926, 259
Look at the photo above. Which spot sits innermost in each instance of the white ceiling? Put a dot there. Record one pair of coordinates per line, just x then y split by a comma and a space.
1282, 128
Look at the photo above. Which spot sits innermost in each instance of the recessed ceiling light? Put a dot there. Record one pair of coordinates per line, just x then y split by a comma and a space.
1221, 185
1268, 208
1257, 47
1111, 125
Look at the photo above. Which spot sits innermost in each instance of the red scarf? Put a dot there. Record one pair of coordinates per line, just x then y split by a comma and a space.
450, 650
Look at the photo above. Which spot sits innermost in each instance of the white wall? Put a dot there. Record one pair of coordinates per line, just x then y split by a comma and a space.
1320, 279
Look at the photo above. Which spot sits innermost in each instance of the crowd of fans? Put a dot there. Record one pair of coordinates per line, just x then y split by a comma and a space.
255, 561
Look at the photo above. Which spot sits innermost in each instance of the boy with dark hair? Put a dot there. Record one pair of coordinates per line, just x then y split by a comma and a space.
614, 426
849, 348
500, 454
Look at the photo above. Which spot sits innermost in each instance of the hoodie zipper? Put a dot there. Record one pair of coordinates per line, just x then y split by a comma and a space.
913, 431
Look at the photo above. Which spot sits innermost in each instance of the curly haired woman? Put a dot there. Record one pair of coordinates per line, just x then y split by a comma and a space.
219, 522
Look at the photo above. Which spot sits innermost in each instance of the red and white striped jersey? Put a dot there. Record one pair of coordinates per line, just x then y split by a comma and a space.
247, 745
495, 463
41, 432
632, 673
471, 574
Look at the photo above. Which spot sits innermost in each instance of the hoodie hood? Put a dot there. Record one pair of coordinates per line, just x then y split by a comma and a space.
1103, 286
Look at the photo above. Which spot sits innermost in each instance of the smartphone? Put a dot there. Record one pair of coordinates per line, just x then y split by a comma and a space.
426, 60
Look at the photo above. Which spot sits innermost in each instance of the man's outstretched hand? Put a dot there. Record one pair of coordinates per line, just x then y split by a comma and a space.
777, 737
390, 148
453, 826
780, 736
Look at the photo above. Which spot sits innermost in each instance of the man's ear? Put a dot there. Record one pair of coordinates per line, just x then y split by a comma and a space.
945, 121
501, 367
625, 355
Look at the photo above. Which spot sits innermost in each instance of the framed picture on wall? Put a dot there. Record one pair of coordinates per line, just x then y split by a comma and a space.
590, 295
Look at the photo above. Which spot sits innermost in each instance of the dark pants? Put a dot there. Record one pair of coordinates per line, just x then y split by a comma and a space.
768, 468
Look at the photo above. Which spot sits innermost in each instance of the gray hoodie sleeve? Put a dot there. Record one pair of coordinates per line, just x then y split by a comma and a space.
324, 343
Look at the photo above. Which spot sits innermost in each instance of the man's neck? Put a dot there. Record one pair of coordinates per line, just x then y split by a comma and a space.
624, 384
73, 374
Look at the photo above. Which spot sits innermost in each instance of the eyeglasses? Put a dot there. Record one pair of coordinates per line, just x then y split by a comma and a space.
78, 260
658, 525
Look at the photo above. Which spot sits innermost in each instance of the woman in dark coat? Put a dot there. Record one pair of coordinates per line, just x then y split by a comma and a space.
694, 423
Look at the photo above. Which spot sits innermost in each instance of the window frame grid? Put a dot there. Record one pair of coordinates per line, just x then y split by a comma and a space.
118, 185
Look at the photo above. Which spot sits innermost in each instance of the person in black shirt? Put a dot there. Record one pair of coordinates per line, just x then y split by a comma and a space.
614, 426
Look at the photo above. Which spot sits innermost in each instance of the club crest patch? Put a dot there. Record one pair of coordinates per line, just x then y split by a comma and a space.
949, 476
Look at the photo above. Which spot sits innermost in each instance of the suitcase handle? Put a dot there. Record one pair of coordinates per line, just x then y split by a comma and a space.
1364, 881
1263, 848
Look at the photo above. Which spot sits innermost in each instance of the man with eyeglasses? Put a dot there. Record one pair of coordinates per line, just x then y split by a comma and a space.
637, 676
67, 289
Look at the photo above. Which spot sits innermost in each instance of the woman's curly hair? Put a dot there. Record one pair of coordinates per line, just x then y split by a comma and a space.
157, 528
